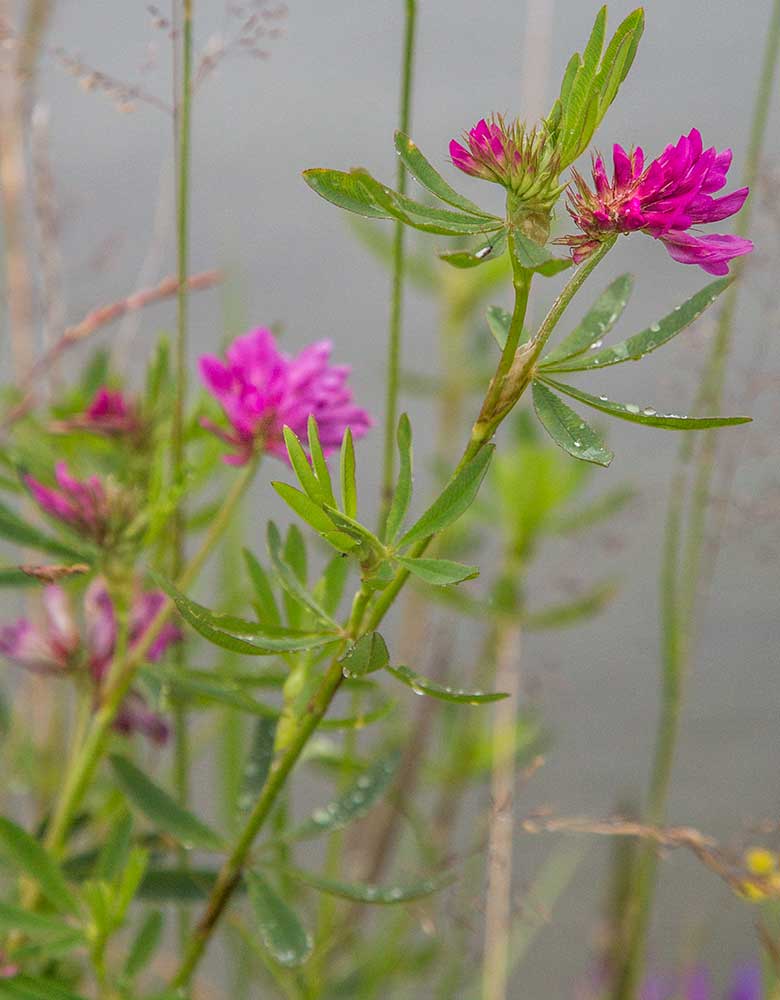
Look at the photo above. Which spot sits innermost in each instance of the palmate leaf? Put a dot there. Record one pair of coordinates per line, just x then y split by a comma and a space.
456, 498
419, 167
636, 347
441, 221
281, 932
163, 811
647, 415
360, 892
239, 635
597, 322
423, 685
354, 803
567, 429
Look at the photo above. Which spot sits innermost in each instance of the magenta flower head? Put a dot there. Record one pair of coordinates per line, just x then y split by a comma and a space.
665, 200
263, 390
111, 413
508, 153
81, 504
56, 646
94, 509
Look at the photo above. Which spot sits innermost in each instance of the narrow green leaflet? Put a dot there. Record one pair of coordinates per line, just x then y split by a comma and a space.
13, 528
345, 190
145, 944
653, 337
319, 464
456, 498
618, 59
242, 636
308, 510
360, 892
13, 918
645, 415
596, 323
290, 580
280, 930
570, 612
30, 858
176, 885
349, 499
113, 854
354, 803
303, 470
163, 811
567, 429
329, 589
264, 596
403, 487
419, 167
195, 689
423, 685
585, 515
465, 259
258, 763
367, 655
529, 254
441, 221
362, 719
499, 321
439, 572
23, 987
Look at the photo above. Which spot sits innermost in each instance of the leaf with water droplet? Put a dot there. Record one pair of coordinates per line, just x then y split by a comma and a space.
599, 320
281, 932
633, 413
360, 892
423, 685
648, 340
567, 429
355, 802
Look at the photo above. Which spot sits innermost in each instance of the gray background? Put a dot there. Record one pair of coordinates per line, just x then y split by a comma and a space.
327, 96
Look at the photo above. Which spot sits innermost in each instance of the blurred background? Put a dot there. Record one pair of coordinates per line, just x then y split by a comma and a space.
323, 91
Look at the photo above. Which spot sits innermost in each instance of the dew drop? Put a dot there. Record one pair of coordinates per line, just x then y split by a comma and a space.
577, 444
321, 816
632, 408
655, 328
603, 398
363, 781
649, 411
596, 345
417, 690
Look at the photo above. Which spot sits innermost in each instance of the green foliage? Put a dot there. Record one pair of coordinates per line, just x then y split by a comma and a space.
359, 892
280, 930
596, 323
162, 810
423, 685
567, 429
31, 859
368, 654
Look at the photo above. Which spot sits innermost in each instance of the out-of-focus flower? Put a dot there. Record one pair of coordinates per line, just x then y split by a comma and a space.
7, 969
263, 390
762, 866
510, 154
111, 413
664, 200
82, 504
57, 647
97, 510
693, 984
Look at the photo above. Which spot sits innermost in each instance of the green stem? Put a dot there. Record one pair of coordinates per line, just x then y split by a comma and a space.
80, 774
182, 125
397, 290
680, 577
231, 871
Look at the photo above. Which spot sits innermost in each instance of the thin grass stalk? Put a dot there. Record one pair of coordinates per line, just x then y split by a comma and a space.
498, 909
680, 575
397, 287
183, 142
